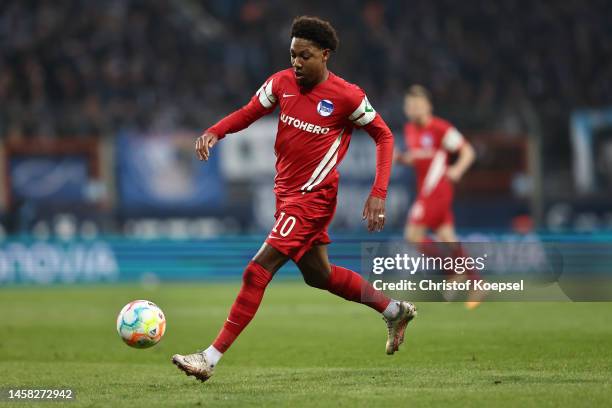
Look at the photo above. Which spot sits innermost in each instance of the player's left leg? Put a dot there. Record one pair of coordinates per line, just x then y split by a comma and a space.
319, 273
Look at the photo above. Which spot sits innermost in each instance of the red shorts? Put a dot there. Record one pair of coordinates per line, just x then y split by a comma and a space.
432, 212
302, 223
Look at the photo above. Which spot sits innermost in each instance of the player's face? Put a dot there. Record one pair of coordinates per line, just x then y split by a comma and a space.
417, 108
308, 61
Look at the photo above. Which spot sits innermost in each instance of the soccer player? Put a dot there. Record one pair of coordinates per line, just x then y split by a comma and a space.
430, 140
318, 112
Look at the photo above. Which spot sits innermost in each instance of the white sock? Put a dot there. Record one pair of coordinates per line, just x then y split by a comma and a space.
212, 355
392, 309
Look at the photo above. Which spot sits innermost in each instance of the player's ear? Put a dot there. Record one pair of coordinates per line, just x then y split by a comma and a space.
325, 54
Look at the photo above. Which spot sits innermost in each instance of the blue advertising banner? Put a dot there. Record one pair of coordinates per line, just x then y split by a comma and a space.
161, 172
27, 261
55, 179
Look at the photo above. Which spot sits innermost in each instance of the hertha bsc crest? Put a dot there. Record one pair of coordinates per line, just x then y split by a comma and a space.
325, 107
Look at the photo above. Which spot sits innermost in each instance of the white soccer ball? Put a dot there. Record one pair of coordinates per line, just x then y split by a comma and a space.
141, 324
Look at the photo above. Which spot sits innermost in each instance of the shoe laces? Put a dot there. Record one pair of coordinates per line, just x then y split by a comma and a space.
196, 359
389, 325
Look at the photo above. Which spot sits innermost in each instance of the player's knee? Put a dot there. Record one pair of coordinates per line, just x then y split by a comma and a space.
446, 235
315, 278
256, 276
316, 282
413, 235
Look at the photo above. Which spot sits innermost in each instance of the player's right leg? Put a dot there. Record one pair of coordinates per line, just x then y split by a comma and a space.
319, 273
415, 230
446, 233
255, 279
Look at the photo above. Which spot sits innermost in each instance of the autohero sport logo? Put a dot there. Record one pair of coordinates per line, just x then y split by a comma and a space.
303, 125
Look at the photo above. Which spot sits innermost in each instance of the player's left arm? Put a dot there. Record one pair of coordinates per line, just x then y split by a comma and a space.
366, 117
454, 142
374, 209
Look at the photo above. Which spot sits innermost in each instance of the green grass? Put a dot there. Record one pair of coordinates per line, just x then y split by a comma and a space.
307, 348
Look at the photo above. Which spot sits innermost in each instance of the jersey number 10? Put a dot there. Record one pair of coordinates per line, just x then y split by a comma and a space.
287, 225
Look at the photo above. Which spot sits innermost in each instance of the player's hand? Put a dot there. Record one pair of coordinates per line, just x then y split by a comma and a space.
402, 157
453, 174
374, 212
397, 156
204, 143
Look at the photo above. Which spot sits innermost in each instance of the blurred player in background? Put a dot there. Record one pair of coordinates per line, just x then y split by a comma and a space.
318, 112
430, 140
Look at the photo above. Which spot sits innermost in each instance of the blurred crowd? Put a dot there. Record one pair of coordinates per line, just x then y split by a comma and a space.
90, 68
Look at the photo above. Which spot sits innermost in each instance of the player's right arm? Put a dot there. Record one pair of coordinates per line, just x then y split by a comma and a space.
263, 102
454, 142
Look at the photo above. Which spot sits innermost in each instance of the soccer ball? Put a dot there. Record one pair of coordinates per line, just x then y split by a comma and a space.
141, 324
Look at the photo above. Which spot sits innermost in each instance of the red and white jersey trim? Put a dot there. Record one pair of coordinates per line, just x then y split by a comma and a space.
364, 113
325, 165
452, 140
266, 96
436, 171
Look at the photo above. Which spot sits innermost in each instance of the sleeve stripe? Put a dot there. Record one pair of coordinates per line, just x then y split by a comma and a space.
266, 97
452, 140
359, 111
365, 119
269, 92
364, 113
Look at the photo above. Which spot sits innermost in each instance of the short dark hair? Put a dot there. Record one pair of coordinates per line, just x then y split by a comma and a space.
419, 91
314, 29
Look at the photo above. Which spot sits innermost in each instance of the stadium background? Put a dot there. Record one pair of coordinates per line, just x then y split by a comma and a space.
102, 200
100, 103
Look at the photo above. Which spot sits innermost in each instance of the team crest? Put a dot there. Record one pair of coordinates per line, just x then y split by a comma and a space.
325, 107
426, 140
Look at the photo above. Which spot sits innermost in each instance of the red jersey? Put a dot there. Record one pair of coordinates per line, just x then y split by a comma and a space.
314, 131
432, 143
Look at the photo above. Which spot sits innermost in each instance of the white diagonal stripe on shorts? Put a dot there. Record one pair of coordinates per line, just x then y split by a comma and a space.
332, 150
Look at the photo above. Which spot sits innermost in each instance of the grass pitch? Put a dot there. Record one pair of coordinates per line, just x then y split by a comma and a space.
306, 348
